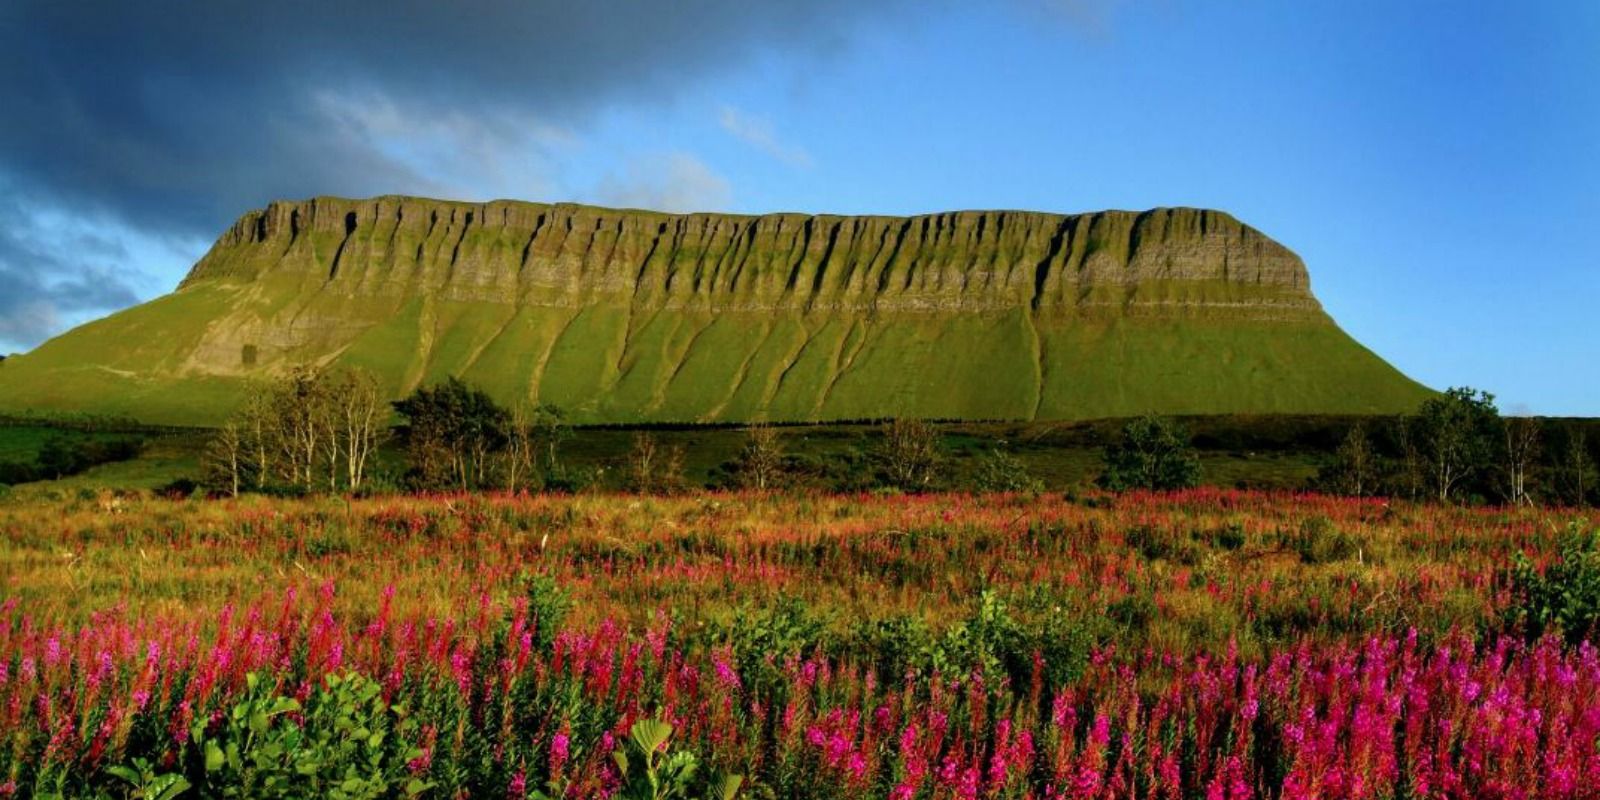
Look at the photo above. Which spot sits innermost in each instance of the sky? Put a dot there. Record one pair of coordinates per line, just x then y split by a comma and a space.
1436, 164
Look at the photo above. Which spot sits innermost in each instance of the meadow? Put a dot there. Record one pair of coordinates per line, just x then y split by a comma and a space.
1210, 643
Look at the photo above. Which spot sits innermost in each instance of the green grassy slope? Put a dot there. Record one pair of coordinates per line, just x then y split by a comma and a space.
642, 317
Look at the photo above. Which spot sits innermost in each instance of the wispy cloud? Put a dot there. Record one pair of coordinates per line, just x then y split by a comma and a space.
669, 182
758, 133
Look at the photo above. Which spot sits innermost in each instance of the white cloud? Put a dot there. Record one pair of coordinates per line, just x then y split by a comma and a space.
757, 132
487, 153
675, 182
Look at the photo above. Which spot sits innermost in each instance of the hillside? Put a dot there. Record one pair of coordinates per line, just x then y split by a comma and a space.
623, 316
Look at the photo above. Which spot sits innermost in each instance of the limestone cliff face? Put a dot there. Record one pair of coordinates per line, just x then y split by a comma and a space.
1185, 259
625, 316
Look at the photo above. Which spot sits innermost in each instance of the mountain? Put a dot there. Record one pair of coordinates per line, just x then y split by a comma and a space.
622, 315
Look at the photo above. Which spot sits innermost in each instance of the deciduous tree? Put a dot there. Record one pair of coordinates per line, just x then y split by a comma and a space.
1153, 453
1455, 436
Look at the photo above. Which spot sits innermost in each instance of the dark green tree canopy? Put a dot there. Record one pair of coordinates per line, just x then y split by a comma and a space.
452, 428
1153, 453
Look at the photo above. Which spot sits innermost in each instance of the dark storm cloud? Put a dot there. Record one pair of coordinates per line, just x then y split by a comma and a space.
176, 117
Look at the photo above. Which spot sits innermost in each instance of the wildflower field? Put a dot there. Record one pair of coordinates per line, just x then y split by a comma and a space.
1200, 644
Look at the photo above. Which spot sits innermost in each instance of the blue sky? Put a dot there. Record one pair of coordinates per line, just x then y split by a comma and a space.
1436, 164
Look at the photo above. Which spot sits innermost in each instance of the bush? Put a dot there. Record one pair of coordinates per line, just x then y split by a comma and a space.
1319, 542
1153, 453
762, 638
548, 605
1566, 596
344, 742
1229, 537
991, 639
1163, 543
999, 471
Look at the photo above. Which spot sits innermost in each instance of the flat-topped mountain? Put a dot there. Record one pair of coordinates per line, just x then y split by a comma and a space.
622, 316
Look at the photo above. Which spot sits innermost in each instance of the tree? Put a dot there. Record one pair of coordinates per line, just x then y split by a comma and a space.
1456, 435
654, 468
521, 453
1519, 452
1153, 453
909, 454
452, 432
760, 462
300, 414
1000, 471
529, 458
311, 429
1575, 472
1354, 469
225, 457
58, 458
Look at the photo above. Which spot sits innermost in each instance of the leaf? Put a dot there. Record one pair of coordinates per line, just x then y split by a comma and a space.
649, 735
127, 774
725, 787
214, 758
170, 786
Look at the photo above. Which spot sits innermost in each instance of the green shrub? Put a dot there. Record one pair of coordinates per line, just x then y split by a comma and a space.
1566, 596
1152, 453
348, 743
651, 771
1164, 543
1320, 542
548, 605
763, 637
1229, 537
999, 471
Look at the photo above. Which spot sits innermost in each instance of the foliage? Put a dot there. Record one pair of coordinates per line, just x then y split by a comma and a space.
548, 606
1576, 479
760, 463
653, 468
1319, 541
1000, 471
533, 437
909, 455
1565, 596
651, 772
452, 431
1354, 470
1455, 439
345, 742
1152, 453
61, 456
309, 430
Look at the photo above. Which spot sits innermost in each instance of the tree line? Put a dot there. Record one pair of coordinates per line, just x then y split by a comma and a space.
1457, 447
320, 430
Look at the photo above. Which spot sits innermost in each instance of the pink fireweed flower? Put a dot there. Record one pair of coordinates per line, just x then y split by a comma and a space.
560, 749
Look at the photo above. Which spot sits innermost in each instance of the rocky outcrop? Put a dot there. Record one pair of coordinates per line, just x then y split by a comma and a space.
564, 254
